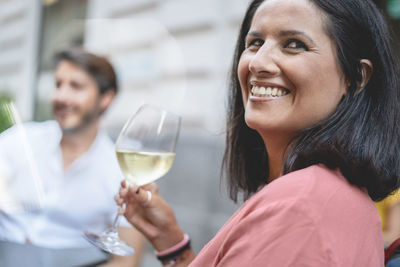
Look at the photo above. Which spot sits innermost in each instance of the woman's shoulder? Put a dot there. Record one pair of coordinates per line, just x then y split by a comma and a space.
304, 181
315, 212
320, 197
315, 188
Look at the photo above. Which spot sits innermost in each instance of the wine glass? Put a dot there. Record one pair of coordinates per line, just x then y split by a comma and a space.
145, 151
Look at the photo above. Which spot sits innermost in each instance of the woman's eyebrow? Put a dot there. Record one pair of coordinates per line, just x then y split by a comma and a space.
254, 33
284, 33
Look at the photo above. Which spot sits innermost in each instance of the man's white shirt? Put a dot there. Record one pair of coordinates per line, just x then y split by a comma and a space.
46, 205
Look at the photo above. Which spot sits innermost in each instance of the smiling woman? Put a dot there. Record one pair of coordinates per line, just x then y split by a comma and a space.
338, 107
312, 140
297, 57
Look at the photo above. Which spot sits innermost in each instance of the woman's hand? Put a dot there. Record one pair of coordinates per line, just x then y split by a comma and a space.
150, 214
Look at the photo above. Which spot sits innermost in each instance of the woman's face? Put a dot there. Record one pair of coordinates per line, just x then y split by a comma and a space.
288, 72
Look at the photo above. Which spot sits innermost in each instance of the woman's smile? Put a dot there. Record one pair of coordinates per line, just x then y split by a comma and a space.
265, 92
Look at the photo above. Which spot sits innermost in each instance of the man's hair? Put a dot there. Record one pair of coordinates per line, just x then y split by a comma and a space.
99, 68
362, 136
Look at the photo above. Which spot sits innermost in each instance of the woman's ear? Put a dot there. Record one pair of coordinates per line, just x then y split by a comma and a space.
366, 72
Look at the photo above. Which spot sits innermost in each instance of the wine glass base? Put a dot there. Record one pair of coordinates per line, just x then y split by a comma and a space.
109, 242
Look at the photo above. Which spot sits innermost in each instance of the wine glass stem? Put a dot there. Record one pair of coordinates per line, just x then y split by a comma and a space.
115, 223
114, 227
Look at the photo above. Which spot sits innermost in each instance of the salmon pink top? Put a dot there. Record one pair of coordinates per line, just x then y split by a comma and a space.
310, 217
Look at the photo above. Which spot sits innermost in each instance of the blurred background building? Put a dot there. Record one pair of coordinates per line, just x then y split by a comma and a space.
173, 53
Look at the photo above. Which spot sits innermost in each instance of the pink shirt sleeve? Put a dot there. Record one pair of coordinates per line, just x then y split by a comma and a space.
279, 242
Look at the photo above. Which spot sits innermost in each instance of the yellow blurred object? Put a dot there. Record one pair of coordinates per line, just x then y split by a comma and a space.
384, 205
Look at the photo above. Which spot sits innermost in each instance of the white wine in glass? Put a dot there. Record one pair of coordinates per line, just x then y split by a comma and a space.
145, 151
141, 168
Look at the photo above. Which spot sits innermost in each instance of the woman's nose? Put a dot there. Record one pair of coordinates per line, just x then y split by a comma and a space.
264, 62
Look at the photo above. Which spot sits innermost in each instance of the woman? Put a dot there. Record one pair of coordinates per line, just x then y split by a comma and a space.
312, 139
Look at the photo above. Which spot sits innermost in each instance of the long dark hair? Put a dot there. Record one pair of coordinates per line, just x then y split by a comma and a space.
361, 137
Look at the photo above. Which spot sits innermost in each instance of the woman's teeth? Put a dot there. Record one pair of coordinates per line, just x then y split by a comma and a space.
261, 91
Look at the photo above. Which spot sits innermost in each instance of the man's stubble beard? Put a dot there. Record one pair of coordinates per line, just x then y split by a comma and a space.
87, 120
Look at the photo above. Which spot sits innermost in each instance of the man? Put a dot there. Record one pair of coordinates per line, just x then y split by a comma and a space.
68, 162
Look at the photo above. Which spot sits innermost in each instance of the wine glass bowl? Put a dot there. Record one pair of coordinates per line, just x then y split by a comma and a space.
145, 151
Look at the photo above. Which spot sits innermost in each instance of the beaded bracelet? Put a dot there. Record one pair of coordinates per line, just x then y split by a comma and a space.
175, 253
176, 259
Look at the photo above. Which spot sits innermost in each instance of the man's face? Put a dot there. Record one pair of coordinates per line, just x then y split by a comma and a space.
76, 100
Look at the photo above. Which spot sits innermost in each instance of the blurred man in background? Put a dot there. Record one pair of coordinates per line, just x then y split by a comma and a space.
74, 162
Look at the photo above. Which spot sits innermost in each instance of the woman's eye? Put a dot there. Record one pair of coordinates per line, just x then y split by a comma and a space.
255, 42
296, 45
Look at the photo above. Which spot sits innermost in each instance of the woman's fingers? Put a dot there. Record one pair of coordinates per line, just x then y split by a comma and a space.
135, 197
142, 196
148, 212
152, 187
118, 199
